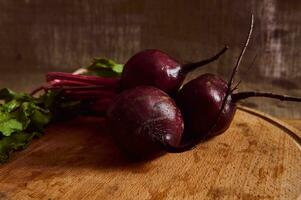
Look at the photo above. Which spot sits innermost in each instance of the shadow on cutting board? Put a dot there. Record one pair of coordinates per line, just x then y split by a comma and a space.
82, 142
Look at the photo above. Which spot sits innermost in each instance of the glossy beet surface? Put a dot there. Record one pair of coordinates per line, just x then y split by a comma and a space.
200, 102
154, 68
143, 119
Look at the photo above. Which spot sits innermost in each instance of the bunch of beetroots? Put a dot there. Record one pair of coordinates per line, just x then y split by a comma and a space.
148, 113
149, 67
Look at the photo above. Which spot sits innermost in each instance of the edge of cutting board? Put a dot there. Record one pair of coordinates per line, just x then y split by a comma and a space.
293, 132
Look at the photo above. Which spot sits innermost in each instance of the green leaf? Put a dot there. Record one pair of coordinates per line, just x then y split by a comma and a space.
8, 95
39, 119
11, 105
21, 118
27, 108
8, 125
49, 99
16, 141
104, 67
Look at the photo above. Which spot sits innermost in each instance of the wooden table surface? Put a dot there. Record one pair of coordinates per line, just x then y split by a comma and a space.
257, 158
293, 122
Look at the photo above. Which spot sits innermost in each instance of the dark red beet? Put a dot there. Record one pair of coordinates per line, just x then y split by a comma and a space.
208, 104
200, 101
205, 111
143, 120
156, 68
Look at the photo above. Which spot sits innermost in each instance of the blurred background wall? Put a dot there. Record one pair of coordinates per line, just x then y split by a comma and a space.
42, 35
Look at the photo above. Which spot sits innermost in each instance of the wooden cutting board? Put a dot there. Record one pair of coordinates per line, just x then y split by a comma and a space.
257, 158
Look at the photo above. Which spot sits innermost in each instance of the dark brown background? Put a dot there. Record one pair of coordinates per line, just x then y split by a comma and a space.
42, 35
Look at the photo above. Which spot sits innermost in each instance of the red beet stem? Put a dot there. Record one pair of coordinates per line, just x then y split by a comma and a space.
35, 91
244, 95
95, 80
191, 66
81, 88
84, 95
71, 85
63, 83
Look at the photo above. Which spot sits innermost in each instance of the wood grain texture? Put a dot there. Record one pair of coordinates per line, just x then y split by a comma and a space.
294, 122
255, 159
43, 35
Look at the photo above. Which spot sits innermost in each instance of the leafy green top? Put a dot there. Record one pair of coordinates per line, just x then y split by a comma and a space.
104, 67
22, 117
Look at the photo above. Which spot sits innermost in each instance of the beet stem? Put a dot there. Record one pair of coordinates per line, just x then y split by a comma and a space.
191, 66
83, 88
96, 80
89, 94
230, 82
61, 83
244, 95
35, 91
248, 69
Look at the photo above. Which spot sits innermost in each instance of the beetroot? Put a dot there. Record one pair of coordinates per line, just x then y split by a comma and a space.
156, 68
143, 120
200, 101
208, 103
